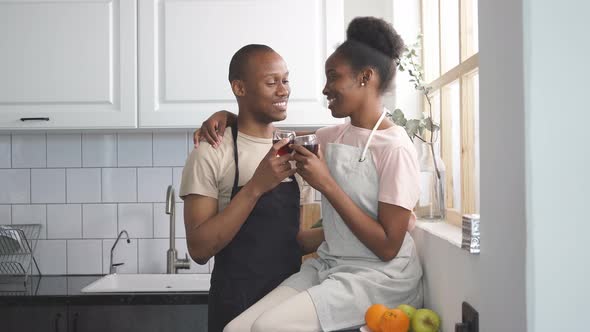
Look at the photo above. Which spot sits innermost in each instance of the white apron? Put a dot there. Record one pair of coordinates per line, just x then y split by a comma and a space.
347, 277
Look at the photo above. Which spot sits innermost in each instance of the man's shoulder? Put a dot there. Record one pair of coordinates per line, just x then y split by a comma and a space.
206, 151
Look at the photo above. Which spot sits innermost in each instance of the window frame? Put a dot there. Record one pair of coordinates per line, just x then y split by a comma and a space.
462, 73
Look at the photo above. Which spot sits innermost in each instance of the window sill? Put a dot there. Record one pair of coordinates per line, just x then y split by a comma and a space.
441, 229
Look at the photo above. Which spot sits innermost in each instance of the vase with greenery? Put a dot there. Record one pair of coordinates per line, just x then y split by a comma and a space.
425, 130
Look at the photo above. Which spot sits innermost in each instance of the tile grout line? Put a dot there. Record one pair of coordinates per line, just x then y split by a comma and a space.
30, 185
10, 153
67, 268
46, 153
81, 220
66, 185
46, 223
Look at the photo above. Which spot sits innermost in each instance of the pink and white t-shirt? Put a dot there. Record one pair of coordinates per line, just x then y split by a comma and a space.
394, 156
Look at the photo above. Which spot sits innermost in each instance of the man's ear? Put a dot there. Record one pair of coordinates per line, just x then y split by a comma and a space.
238, 88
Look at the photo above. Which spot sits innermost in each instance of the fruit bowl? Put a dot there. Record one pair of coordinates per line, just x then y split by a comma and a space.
364, 328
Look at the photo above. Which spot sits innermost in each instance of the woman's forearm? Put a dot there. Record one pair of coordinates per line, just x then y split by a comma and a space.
310, 239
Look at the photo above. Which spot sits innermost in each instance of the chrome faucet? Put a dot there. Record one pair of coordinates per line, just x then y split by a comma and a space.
113, 267
173, 263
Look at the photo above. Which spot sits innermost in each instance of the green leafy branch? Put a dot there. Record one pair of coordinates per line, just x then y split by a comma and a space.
410, 62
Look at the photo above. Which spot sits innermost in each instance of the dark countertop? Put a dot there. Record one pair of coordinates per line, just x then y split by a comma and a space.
67, 290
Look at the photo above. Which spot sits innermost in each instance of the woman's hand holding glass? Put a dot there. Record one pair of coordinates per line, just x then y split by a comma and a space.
309, 165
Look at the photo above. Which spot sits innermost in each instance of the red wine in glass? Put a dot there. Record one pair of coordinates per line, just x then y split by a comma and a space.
310, 142
278, 135
312, 147
285, 149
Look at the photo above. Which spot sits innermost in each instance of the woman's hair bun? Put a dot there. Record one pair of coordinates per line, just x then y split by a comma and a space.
376, 33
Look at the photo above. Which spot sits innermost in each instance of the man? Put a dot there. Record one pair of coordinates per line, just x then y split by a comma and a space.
236, 206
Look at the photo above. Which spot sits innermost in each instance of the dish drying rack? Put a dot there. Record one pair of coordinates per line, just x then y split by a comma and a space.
17, 248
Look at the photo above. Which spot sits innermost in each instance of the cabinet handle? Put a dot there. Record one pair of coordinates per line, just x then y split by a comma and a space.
57, 319
35, 119
75, 322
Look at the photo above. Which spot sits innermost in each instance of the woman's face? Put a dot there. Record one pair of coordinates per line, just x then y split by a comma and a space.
343, 87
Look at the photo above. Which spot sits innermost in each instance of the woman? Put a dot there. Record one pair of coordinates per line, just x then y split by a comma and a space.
368, 177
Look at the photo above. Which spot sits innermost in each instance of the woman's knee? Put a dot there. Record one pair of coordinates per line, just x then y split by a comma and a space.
266, 322
235, 326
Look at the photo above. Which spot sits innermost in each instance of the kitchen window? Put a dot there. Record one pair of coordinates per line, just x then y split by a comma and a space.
451, 66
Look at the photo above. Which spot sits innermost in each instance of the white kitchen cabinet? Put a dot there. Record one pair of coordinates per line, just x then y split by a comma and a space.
185, 48
68, 64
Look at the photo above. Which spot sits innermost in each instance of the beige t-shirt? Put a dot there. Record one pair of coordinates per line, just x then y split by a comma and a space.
210, 172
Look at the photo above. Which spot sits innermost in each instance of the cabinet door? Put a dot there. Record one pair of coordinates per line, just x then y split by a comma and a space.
140, 318
185, 48
39, 318
68, 64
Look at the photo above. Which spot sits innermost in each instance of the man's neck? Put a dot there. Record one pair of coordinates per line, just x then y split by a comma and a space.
252, 127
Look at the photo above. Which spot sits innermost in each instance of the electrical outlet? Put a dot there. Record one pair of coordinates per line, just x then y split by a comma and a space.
469, 319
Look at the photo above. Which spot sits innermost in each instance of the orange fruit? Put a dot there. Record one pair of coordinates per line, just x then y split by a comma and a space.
394, 320
373, 316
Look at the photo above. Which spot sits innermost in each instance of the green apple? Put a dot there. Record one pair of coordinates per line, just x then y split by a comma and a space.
425, 320
407, 309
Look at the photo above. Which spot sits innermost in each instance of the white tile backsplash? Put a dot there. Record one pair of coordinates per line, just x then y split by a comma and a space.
135, 149
16, 186
125, 253
179, 225
83, 185
64, 150
137, 220
99, 150
29, 151
31, 214
5, 214
119, 185
64, 221
5, 151
48, 185
152, 255
51, 256
84, 256
176, 179
152, 184
170, 149
162, 221
99, 221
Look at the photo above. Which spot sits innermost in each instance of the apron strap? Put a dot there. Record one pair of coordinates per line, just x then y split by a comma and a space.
234, 133
364, 154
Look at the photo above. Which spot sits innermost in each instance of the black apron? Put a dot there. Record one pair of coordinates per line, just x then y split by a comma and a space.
263, 253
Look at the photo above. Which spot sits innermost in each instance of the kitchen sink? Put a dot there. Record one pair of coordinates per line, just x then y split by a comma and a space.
150, 283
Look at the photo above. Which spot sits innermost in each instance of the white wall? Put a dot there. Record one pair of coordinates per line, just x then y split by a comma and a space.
503, 228
377, 8
557, 158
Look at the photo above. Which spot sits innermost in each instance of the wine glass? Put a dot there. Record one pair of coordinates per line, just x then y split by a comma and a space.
309, 142
280, 134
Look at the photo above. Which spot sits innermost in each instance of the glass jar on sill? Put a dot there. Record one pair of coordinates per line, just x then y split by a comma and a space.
431, 205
